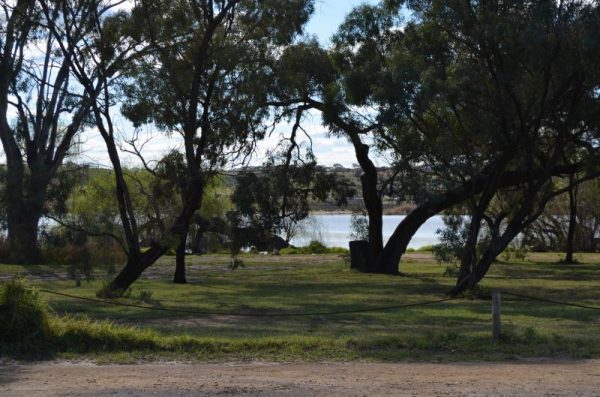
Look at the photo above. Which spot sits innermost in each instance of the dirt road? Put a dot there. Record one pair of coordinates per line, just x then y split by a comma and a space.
531, 378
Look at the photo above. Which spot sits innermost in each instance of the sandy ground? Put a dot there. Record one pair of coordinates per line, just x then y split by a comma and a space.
527, 378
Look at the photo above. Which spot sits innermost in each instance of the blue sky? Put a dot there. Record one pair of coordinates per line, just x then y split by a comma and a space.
329, 14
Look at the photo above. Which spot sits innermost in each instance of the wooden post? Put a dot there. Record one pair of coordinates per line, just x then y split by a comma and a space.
497, 324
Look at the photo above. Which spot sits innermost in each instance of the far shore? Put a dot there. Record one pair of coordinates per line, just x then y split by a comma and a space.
399, 210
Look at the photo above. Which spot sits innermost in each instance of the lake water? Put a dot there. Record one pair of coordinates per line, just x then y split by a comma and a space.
334, 230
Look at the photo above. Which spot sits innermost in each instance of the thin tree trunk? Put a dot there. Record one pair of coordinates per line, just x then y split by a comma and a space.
572, 224
373, 205
469, 258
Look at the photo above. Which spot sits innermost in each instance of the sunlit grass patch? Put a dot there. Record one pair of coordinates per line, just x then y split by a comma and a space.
454, 330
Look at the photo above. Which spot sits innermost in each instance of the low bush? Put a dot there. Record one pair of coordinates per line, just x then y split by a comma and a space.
23, 316
81, 258
314, 247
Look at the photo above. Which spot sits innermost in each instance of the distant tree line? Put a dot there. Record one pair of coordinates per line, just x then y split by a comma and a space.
492, 108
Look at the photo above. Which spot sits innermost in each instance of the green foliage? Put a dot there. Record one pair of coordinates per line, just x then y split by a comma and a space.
516, 251
314, 247
549, 232
276, 199
359, 226
23, 316
452, 240
145, 296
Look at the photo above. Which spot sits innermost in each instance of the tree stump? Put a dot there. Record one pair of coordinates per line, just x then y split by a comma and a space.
359, 255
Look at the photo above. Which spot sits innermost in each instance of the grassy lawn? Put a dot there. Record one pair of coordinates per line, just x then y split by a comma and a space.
453, 330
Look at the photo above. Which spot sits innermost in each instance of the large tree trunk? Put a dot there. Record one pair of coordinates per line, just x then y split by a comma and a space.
25, 198
371, 196
23, 235
179, 276
398, 242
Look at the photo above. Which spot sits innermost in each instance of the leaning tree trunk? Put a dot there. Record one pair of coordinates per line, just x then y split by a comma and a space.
135, 266
137, 263
406, 229
398, 243
403, 234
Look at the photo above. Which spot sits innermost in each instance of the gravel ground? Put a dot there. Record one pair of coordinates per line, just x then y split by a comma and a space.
522, 378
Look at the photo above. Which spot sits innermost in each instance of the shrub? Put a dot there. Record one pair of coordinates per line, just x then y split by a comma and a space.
314, 247
23, 315
107, 253
76, 259
82, 257
359, 225
426, 248
516, 251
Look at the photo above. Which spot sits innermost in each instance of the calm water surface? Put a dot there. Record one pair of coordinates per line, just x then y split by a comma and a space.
334, 230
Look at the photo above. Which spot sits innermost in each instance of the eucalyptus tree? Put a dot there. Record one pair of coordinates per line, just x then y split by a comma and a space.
206, 77
509, 87
466, 96
311, 77
41, 112
198, 69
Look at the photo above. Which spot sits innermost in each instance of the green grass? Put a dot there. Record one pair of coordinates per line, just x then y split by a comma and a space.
454, 330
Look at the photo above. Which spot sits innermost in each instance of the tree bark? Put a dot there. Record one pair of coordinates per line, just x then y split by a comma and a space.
135, 266
25, 202
179, 276
371, 195
373, 204
572, 224
23, 236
